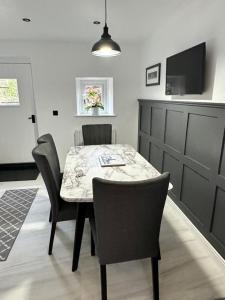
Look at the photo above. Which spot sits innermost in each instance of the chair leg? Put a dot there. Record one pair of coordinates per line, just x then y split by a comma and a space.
103, 282
155, 278
50, 216
92, 246
78, 235
52, 238
159, 255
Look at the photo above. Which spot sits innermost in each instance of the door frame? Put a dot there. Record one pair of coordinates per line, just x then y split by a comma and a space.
27, 61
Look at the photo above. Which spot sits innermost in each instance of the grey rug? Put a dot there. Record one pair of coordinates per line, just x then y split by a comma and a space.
14, 206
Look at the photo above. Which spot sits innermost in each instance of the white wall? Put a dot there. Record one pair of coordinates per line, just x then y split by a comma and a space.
55, 67
192, 23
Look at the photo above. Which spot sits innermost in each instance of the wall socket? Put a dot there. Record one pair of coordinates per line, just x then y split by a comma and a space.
55, 113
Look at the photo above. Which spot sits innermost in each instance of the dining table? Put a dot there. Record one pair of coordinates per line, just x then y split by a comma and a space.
83, 163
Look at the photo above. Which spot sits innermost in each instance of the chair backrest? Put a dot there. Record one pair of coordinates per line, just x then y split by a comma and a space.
97, 134
44, 157
47, 138
128, 218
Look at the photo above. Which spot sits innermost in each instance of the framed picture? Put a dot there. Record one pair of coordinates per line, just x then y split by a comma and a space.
153, 75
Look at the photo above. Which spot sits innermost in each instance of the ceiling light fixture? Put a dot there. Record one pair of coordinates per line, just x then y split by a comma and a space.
106, 47
26, 20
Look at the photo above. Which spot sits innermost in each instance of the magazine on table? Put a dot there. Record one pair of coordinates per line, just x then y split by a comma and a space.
111, 160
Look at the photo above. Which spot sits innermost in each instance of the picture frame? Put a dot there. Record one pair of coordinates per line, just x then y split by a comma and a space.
153, 74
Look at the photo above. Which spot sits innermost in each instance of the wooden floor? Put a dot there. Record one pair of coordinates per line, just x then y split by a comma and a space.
189, 269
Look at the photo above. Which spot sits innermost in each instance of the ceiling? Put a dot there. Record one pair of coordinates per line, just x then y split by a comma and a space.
70, 20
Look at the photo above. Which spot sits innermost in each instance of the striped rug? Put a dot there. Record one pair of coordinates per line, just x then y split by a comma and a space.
14, 206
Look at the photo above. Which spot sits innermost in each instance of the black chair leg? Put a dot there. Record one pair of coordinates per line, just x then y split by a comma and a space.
103, 282
159, 255
50, 216
155, 278
52, 238
78, 235
92, 246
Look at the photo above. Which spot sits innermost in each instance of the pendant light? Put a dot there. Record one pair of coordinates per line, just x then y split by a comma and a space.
106, 47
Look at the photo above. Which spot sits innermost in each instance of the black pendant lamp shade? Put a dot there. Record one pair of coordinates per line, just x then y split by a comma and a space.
106, 47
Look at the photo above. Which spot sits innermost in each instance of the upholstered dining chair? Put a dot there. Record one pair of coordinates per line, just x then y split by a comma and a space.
61, 210
127, 223
97, 134
47, 138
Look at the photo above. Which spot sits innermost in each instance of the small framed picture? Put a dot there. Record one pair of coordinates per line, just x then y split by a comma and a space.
153, 75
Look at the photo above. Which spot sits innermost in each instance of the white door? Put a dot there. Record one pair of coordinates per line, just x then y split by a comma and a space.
17, 132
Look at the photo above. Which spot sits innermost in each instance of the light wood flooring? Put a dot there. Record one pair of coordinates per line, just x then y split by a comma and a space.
189, 270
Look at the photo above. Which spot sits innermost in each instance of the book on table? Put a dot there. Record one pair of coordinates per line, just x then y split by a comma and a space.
111, 160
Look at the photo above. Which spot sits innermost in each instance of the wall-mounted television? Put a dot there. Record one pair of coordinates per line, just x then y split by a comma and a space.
185, 71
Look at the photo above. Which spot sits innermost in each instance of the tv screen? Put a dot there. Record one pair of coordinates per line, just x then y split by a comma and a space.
185, 71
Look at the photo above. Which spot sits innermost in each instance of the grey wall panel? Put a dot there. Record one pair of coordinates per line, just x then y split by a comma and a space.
218, 225
144, 147
171, 165
157, 123
156, 156
202, 136
196, 194
175, 129
187, 139
222, 161
145, 119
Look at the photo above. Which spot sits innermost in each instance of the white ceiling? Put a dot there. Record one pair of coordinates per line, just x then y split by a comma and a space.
129, 20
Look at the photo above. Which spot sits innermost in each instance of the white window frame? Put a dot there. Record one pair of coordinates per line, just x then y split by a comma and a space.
107, 82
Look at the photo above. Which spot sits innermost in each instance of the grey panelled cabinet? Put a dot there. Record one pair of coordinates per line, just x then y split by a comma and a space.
187, 139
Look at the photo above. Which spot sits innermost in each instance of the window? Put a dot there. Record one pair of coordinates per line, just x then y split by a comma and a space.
94, 96
9, 94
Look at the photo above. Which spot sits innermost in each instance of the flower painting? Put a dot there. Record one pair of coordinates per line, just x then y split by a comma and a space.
93, 97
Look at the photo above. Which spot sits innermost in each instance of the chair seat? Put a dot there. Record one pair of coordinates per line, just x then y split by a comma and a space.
67, 211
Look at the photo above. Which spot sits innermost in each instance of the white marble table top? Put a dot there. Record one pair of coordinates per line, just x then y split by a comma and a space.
82, 165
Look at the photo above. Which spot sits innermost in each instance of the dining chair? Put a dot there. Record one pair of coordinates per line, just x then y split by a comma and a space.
61, 210
47, 138
97, 134
127, 223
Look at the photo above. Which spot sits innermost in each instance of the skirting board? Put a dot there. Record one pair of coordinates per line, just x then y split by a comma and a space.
18, 171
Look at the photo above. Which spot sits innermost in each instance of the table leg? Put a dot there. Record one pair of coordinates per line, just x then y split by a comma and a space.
78, 234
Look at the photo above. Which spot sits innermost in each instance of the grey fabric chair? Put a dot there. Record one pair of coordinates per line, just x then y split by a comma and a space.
44, 157
47, 138
127, 223
97, 134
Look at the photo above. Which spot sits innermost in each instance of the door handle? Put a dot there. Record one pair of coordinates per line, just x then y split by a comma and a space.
32, 117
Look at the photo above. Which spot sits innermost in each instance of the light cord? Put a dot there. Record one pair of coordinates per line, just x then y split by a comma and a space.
106, 12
